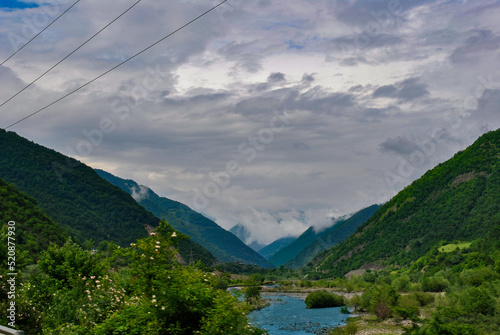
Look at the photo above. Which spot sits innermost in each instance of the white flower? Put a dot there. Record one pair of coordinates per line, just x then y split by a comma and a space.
174, 234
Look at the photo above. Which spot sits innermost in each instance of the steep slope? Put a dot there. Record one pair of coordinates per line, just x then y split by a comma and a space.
269, 250
288, 252
74, 195
339, 233
221, 243
243, 234
33, 229
457, 200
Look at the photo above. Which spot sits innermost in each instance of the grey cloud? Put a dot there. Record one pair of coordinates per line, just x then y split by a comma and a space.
388, 91
309, 78
398, 145
301, 146
276, 77
474, 46
353, 61
406, 90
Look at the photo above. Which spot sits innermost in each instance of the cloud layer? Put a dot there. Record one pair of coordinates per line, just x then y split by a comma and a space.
277, 115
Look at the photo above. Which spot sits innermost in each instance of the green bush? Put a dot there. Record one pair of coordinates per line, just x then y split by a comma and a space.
322, 299
379, 299
434, 284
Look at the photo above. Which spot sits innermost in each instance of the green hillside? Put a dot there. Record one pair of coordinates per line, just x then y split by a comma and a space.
73, 195
269, 250
457, 200
33, 229
288, 252
221, 243
339, 233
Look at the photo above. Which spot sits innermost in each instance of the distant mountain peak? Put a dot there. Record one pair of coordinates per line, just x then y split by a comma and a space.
225, 246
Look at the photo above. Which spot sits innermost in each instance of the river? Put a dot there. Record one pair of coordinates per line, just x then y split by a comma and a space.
287, 315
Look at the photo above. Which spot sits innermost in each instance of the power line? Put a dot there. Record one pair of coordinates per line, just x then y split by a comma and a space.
117, 66
72, 52
57, 18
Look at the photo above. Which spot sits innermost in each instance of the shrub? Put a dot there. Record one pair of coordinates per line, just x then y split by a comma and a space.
435, 284
378, 300
355, 302
424, 298
322, 299
401, 283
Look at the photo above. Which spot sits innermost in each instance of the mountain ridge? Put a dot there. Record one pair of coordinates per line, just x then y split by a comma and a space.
222, 244
456, 200
76, 197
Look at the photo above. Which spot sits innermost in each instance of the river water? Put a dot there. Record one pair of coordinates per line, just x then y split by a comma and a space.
287, 315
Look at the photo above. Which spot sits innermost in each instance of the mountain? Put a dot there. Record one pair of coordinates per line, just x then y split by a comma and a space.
243, 234
74, 196
269, 250
288, 252
457, 200
337, 234
221, 243
33, 229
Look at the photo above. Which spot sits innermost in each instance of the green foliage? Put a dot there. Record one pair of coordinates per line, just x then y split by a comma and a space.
349, 329
204, 232
71, 193
434, 284
455, 201
345, 310
322, 299
74, 291
379, 299
33, 229
251, 291
331, 237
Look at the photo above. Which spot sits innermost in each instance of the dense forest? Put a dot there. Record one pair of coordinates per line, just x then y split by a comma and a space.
74, 196
457, 200
340, 232
34, 230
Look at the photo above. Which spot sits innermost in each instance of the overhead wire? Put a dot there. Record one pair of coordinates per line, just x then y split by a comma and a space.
57, 18
118, 65
71, 53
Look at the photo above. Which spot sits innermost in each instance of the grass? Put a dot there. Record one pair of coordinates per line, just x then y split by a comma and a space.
452, 246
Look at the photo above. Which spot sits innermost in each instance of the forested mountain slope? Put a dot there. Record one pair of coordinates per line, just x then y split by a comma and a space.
73, 195
269, 250
33, 230
221, 243
340, 232
457, 200
288, 252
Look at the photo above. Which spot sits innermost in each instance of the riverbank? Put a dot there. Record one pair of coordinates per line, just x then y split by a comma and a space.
364, 323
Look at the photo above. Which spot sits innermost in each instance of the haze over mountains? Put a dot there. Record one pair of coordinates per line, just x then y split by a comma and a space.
221, 243
457, 200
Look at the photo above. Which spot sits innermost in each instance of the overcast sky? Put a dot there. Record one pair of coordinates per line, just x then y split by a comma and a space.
275, 114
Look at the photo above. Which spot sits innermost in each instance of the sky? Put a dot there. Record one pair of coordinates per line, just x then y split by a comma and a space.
277, 115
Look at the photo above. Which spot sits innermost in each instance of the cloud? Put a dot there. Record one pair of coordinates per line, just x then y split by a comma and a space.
139, 193
398, 145
276, 77
354, 102
473, 47
406, 90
